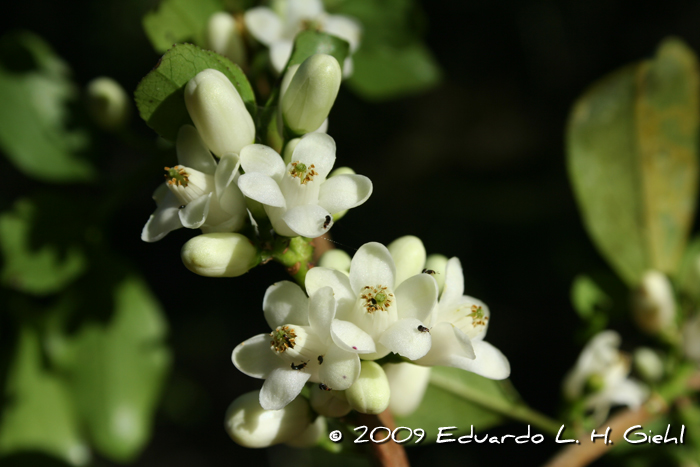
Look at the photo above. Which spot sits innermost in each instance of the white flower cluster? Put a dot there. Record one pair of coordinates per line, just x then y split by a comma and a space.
384, 303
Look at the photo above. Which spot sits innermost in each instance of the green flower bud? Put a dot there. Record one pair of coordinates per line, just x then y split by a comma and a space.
336, 259
224, 37
311, 92
370, 392
251, 426
310, 437
648, 364
408, 383
409, 256
219, 254
437, 263
108, 103
329, 403
219, 113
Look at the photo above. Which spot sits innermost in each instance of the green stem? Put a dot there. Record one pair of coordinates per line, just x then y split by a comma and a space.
521, 412
296, 254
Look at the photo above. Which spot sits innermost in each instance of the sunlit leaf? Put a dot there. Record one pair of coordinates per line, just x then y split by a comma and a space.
35, 91
160, 96
632, 159
179, 21
39, 414
32, 261
117, 371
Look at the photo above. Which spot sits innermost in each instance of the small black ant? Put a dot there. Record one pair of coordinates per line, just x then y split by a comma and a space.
320, 359
324, 387
422, 328
301, 366
327, 222
429, 271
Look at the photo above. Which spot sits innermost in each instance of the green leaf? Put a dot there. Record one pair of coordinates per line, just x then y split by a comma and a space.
32, 262
587, 297
632, 159
117, 371
39, 414
688, 277
459, 398
35, 91
160, 96
308, 43
179, 21
386, 72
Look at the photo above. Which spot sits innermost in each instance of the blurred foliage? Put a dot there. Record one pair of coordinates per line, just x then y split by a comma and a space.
632, 157
160, 95
308, 43
177, 21
36, 92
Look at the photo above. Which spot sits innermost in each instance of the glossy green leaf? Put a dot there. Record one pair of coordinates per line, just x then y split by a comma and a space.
632, 159
386, 72
117, 370
688, 278
35, 91
33, 262
38, 414
459, 398
160, 95
308, 43
179, 21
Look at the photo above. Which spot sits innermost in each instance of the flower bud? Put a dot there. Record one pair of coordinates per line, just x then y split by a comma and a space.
108, 103
407, 383
223, 37
311, 436
409, 256
336, 259
370, 392
308, 99
654, 305
289, 150
219, 254
329, 403
437, 263
219, 113
648, 364
251, 426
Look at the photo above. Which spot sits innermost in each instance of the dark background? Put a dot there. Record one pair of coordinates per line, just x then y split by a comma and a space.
475, 168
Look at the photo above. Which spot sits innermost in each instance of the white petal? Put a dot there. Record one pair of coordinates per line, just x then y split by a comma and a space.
225, 173
303, 9
372, 265
348, 336
281, 387
285, 303
348, 67
255, 358
630, 393
454, 283
263, 24
319, 277
192, 152
263, 159
344, 27
317, 149
489, 362
446, 348
409, 256
280, 51
307, 220
404, 338
195, 213
322, 312
416, 297
261, 188
164, 220
344, 192
160, 193
464, 342
339, 369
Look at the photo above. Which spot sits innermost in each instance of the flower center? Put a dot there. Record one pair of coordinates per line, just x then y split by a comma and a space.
177, 176
283, 338
477, 316
302, 172
311, 24
376, 298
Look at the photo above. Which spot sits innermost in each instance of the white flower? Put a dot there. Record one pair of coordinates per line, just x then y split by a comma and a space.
198, 193
224, 37
298, 198
307, 343
602, 371
458, 327
654, 306
219, 254
277, 27
394, 316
